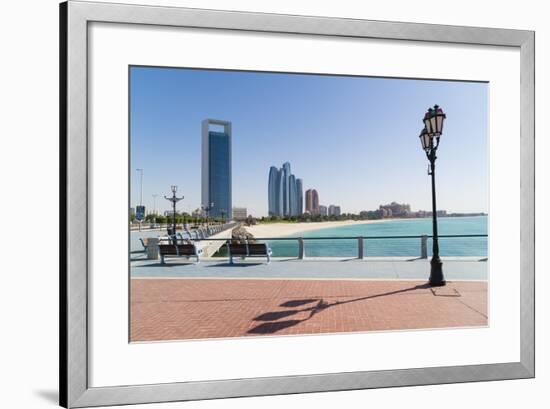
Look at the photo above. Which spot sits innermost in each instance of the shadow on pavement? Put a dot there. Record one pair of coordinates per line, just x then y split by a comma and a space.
273, 316
298, 303
272, 327
225, 264
189, 263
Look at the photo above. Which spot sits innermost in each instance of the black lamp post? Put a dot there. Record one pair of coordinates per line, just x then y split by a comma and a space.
174, 200
429, 137
207, 210
222, 211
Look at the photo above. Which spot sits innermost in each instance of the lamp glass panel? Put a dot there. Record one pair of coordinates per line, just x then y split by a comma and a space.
433, 124
426, 141
428, 124
440, 119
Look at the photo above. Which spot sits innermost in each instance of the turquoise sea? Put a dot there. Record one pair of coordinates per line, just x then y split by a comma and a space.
469, 246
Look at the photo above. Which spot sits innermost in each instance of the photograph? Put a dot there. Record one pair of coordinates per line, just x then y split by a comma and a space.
275, 204
286, 203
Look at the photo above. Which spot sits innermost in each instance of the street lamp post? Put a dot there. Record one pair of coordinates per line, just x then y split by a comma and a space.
429, 138
174, 200
155, 209
140, 171
207, 210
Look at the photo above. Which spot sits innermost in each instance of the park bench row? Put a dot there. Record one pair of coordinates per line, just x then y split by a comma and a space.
201, 233
187, 248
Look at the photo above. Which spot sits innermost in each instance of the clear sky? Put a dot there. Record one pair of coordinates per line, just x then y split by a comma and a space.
354, 139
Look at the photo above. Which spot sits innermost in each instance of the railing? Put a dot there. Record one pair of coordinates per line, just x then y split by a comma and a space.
362, 241
150, 226
203, 233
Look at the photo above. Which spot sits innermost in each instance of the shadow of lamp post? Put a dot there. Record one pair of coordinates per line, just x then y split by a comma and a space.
429, 137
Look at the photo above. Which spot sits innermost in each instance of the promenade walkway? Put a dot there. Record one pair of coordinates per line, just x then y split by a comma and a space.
407, 268
178, 309
287, 297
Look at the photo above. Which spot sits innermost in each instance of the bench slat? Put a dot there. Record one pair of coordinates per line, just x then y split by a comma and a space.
249, 250
183, 249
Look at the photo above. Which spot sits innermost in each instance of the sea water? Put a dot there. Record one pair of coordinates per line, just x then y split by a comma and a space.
462, 246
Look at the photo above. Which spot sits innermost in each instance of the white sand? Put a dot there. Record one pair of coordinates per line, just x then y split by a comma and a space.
286, 229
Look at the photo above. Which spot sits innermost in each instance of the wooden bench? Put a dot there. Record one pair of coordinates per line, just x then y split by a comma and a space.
179, 250
244, 250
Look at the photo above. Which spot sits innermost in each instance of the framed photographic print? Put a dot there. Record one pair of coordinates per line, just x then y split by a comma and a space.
258, 204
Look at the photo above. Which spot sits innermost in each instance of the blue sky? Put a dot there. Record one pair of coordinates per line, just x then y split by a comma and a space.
354, 139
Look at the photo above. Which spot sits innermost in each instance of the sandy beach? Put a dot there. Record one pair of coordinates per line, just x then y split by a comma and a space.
286, 229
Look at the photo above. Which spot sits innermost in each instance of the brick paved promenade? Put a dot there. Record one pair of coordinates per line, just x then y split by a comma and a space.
171, 309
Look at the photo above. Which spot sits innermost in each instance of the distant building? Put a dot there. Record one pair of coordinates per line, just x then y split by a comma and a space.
285, 195
275, 197
240, 213
286, 188
216, 168
396, 210
292, 196
323, 211
300, 196
312, 201
334, 210
440, 213
198, 213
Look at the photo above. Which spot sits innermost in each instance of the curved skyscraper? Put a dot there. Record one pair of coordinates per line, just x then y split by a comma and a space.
275, 198
286, 188
285, 197
292, 196
300, 193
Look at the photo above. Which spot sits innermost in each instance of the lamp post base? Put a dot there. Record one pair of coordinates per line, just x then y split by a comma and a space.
436, 273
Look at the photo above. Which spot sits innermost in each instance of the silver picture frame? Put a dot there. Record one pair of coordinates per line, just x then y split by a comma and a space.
75, 16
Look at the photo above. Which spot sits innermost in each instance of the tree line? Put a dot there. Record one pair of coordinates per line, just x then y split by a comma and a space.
307, 217
180, 218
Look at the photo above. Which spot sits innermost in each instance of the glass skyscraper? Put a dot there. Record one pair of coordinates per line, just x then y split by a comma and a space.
286, 188
300, 194
275, 198
285, 194
216, 167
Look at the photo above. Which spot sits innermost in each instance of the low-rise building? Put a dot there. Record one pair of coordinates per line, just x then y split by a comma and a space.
334, 210
395, 209
239, 213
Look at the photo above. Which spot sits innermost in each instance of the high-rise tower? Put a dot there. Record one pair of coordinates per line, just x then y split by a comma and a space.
300, 195
275, 198
312, 201
285, 192
216, 167
286, 188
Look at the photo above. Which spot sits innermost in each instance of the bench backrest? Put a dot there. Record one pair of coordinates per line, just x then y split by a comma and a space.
257, 249
180, 249
238, 249
248, 249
